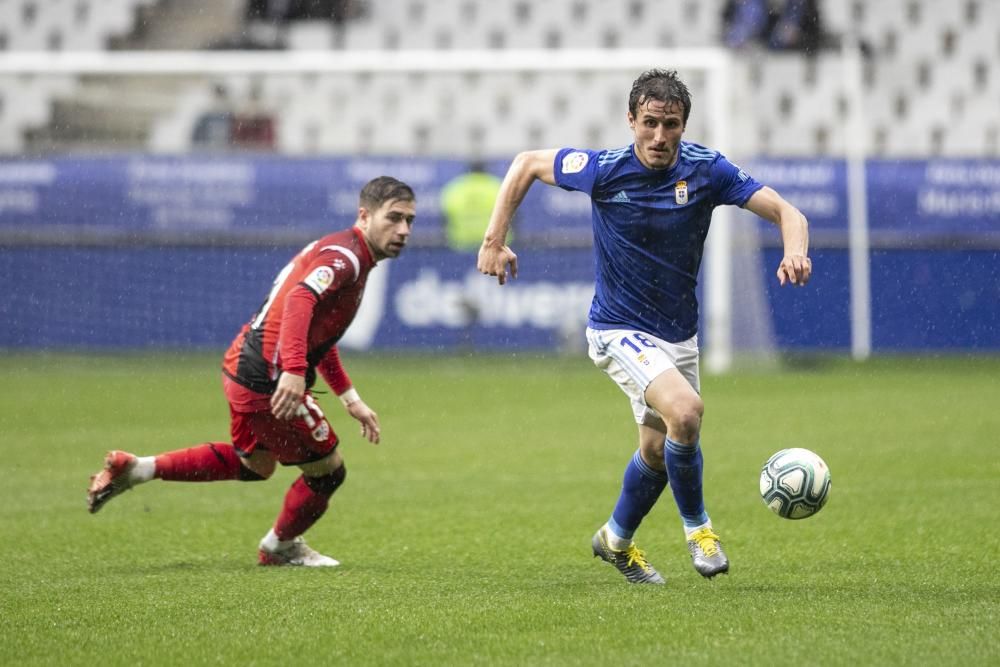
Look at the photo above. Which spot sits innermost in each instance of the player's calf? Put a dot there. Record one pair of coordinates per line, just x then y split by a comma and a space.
305, 502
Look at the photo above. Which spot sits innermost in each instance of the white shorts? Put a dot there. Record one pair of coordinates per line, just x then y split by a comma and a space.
633, 358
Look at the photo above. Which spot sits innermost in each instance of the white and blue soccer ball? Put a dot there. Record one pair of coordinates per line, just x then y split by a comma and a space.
795, 483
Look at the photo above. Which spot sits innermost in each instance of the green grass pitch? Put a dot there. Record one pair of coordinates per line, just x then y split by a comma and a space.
465, 535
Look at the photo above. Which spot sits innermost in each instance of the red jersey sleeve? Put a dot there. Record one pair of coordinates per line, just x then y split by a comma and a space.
333, 372
323, 276
293, 340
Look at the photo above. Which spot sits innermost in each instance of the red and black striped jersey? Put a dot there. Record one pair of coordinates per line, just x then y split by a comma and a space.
311, 304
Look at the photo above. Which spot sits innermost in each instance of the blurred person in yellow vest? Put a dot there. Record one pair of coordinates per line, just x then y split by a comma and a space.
466, 202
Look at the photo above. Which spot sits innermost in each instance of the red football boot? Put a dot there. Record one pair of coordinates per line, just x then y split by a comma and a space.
111, 481
295, 552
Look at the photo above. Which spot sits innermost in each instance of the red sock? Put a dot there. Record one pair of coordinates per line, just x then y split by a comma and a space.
204, 463
302, 508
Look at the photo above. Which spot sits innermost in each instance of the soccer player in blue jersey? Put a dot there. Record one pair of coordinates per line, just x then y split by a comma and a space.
652, 203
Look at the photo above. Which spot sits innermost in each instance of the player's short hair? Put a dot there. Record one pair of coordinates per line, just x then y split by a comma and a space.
661, 85
382, 189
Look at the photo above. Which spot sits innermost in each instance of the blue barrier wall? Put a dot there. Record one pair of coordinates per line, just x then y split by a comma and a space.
134, 252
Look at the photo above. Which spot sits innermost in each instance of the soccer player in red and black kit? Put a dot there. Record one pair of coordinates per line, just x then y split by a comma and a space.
267, 373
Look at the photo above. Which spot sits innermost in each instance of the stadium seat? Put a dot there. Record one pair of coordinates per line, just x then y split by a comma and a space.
695, 23
310, 36
836, 15
919, 48
34, 25
26, 102
172, 134
980, 38
802, 104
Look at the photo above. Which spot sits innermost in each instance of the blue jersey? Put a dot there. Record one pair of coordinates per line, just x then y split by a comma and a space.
649, 232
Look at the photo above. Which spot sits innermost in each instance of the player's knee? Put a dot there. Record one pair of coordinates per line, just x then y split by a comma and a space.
688, 421
686, 416
327, 484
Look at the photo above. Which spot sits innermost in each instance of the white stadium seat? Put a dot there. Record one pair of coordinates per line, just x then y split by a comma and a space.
937, 61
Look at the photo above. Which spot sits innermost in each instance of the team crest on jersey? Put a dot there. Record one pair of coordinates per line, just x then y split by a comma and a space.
681, 193
574, 162
320, 279
321, 432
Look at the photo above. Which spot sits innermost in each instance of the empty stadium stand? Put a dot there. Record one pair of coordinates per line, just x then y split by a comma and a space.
931, 81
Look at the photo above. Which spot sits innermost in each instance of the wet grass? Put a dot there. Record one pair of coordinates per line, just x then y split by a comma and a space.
465, 535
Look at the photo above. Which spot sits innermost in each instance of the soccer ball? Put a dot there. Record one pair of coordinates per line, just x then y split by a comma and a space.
795, 483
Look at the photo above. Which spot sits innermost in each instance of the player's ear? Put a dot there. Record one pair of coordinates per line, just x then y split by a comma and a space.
631, 119
363, 217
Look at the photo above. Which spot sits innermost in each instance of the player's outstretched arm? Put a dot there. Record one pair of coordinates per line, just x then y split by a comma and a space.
795, 266
495, 258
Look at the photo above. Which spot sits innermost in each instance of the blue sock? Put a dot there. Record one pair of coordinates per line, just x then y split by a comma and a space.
684, 465
640, 489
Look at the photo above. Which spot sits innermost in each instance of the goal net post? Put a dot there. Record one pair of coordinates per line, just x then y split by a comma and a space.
514, 100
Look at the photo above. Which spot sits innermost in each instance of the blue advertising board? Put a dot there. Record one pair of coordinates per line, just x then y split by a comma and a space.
935, 197
817, 187
65, 296
240, 194
176, 197
140, 251
908, 200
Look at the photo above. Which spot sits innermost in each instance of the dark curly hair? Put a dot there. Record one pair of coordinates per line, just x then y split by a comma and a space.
660, 85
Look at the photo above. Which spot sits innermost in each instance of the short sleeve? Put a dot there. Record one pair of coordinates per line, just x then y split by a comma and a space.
331, 269
576, 170
731, 184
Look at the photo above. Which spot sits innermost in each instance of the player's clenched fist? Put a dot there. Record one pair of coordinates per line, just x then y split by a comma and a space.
494, 260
